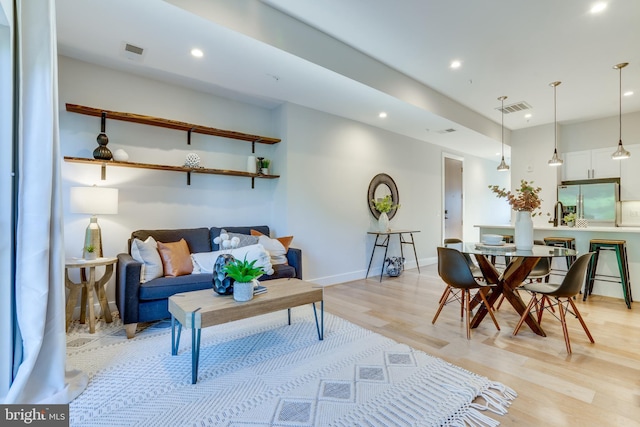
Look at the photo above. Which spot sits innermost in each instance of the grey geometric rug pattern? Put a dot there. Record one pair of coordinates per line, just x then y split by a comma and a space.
262, 372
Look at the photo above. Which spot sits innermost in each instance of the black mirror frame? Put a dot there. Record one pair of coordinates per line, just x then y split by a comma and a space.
382, 179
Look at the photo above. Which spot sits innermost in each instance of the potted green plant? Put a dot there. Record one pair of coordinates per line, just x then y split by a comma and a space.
244, 273
570, 219
264, 166
384, 206
90, 252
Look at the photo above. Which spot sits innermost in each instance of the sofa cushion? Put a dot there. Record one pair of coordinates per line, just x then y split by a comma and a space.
176, 259
203, 262
281, 271
147, 253
215, 232
243, 239
197, 238
164, 287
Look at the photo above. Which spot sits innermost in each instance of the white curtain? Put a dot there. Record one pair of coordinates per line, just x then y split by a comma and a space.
39, 370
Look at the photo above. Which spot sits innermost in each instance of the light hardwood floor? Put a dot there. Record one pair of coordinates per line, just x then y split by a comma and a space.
598, 385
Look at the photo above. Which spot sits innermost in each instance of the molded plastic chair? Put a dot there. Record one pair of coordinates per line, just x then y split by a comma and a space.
475, 270
454, 270
562, 295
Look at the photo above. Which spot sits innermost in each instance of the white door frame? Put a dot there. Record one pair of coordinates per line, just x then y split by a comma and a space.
446, 155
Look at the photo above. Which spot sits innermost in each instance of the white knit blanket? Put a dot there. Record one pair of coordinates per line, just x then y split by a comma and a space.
262, 372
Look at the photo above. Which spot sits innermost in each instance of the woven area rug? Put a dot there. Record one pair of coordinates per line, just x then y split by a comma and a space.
262, 372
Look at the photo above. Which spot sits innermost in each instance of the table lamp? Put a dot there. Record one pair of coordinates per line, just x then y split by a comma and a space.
95, 201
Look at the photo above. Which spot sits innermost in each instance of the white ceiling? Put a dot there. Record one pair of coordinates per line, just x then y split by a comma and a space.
256, 52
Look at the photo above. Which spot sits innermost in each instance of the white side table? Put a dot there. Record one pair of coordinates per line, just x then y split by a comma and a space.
88, 286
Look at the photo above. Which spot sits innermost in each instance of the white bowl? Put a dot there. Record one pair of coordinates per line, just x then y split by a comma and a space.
492, 239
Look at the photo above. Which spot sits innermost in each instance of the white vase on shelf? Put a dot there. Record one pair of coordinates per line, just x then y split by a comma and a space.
523, 232
383, 222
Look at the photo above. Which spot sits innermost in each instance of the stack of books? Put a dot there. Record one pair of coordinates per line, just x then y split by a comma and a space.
259, 290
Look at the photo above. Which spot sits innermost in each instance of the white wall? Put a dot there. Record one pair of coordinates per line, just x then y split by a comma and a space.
326, 163
599, 133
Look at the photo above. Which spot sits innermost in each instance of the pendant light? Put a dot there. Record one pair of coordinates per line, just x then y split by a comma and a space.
555, 160
620, 153
502, 167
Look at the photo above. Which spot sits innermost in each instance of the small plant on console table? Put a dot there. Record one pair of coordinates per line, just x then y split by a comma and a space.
384, 206
244, 273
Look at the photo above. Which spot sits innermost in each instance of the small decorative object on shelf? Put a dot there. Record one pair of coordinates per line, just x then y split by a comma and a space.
259, 164
581, 223
244, 273
192, 160
102, 152
252, 164
264, 166
120, 155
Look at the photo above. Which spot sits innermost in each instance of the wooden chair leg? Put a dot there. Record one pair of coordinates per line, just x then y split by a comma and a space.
579, 316
443, 301
563, 321
445, 294
489, 309
500, 301
467, 303
525, 313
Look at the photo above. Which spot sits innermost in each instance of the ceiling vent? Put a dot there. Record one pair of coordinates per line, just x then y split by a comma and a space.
446, 130
514, 108
132, 52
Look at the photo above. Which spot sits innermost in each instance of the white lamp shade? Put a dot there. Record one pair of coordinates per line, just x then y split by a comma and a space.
94, 200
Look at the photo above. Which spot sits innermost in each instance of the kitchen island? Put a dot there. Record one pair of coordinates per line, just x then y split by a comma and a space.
607, 262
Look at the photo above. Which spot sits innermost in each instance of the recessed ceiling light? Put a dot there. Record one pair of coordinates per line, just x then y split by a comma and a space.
197, 53
528, 116
498, 153
455, 64
598, 7
628, 93
382, 115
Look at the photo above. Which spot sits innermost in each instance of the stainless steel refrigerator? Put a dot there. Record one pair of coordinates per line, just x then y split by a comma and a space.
594, 200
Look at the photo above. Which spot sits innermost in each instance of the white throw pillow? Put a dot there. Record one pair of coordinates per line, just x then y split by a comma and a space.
276, 250
203, 262
147, 253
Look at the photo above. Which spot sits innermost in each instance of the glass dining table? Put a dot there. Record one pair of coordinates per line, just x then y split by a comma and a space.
519, 265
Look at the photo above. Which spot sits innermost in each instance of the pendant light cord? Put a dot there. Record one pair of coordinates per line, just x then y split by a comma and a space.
620, 107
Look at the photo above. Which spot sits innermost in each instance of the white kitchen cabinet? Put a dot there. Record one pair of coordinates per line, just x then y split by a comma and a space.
630, 174
590, 164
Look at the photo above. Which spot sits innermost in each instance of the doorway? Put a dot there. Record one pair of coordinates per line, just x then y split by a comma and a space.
453, 198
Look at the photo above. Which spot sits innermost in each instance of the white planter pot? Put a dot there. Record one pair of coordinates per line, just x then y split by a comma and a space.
523, 232
243, 291
383, 222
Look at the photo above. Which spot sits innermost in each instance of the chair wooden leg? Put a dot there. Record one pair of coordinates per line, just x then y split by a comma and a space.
525, 313
500, 301
579, 316
467, 303
445, 294
563, 321
443, 301
489, 309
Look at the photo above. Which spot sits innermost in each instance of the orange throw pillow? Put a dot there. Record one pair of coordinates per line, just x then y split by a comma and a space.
176, 258
286, 241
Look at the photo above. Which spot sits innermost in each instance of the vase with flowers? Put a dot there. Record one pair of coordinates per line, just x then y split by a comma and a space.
384, 206
526, 202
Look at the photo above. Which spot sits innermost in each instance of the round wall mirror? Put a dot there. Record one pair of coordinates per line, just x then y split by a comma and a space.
380, 186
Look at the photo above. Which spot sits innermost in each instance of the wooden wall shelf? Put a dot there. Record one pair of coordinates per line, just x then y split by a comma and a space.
187, 170
171, 124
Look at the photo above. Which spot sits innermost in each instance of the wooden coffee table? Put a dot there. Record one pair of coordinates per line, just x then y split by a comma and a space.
200, 309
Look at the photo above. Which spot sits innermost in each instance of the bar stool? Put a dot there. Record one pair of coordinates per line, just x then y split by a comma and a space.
563, 242
620, 248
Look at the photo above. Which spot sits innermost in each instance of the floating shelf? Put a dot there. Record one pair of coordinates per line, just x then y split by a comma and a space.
172, 124
187, 170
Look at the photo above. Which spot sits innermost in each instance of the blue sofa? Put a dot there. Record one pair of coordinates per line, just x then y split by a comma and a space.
147, 302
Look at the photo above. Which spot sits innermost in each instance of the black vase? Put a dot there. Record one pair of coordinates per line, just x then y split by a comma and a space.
222, 284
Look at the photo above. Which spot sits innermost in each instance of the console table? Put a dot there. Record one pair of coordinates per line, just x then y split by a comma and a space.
386, 237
